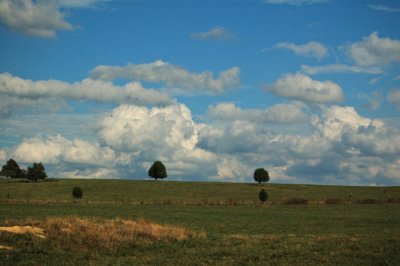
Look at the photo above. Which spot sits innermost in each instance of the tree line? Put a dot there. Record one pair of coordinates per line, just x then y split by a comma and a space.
12, 170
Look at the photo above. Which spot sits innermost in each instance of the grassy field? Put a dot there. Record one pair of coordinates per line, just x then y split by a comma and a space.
234, 228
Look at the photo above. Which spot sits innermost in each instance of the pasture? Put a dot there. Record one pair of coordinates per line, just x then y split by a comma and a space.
223, 224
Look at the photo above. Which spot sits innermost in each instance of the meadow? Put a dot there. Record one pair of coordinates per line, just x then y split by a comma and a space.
193, 223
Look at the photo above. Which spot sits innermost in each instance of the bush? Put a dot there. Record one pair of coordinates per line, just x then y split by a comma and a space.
77, 192
263, 196
334, 201
296, 201
36, 172
368, 201
393, 200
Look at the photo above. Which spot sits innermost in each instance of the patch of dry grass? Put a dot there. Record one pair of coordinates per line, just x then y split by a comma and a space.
111, 234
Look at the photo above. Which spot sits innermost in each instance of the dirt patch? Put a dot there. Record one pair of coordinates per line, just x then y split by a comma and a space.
39, 232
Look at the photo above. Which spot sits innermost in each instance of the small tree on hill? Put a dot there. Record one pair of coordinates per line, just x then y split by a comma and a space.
158, 170
11, 169
263, 195
77, 192
36, 172
261, 175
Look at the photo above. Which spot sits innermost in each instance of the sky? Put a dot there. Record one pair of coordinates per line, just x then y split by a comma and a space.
307, 89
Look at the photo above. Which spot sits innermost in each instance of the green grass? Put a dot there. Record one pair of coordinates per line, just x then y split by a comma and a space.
239, 231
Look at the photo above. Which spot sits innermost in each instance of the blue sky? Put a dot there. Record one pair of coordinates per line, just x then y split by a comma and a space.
308, 89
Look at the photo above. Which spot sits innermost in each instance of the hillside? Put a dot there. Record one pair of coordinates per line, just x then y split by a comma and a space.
164, 192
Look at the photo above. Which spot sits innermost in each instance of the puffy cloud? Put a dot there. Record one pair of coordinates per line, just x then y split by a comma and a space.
168, 134
394, 97
279, 113
373, 50
216, 33
337, 119
230, 169
295, 2
303, 88
339, 68
171, 75
56, 149
311, 49
98, 173
383, 8
37, 18
24, 92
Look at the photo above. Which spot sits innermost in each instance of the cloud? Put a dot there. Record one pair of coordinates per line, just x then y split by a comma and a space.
216, 34
168, 134
279, 113
303, 88
339, 68
394, 97
373, 50
56, 149
27, 93
80, 3
311, 49
171, 75
36, 18
295, 2
374, 100
230, 169
383, 8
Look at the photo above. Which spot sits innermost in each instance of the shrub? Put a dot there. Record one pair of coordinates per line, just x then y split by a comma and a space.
77, 192
334, 201
393, 200
263, 195
296, 201
368, 201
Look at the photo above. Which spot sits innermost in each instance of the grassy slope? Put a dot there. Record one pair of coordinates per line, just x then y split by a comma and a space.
125, 191
347, 234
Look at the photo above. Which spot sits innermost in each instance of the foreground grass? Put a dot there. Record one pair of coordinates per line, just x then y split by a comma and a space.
241, 234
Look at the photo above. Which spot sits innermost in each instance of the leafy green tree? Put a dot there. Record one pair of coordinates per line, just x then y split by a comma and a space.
261, 175
11, 169
263, 195
77, 192
158, 170
36, 172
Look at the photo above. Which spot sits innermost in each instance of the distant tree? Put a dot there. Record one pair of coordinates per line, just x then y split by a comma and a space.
263, 195
36, 172
11, 169
77, 192
158, 170
261, 175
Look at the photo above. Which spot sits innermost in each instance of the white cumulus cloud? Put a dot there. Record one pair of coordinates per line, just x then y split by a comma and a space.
279, 113
171, 75
303, 88
311, 49
37, 18
29, 93
216, 33
373, 50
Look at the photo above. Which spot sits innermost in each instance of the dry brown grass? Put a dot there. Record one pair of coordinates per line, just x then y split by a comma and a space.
110, 234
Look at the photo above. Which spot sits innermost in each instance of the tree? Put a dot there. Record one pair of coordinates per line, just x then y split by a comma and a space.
263, 195
157, 170
261, 175
11, 169
77, 192
36, 172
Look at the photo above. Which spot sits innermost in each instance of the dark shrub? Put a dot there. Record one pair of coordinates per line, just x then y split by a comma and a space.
393, 200
369, 201
263, 196
334, 201
77, 192
296, 201
157, 170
